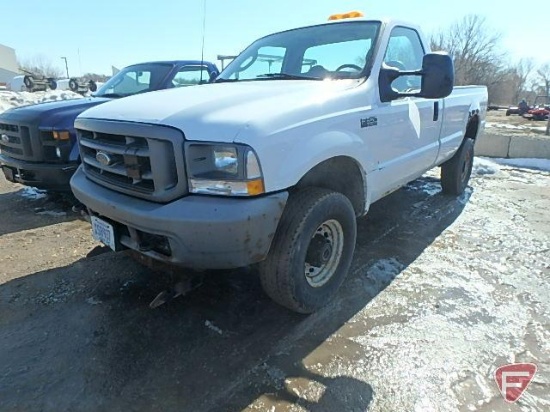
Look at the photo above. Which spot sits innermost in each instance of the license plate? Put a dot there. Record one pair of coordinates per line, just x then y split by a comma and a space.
8, 172
103, 232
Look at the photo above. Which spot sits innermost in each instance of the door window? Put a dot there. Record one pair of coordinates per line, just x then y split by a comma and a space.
405, 52
190, 75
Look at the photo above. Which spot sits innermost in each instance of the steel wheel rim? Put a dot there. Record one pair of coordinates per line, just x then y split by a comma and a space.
324, 253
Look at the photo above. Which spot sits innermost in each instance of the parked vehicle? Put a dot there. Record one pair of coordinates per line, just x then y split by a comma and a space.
82, 85
38, 143
541, 109
273, 162
30, 82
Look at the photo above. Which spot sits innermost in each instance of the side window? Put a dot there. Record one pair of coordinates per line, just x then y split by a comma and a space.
405, 52
268, 60
190, 75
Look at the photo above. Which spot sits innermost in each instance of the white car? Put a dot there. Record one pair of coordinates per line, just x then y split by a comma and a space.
273, 161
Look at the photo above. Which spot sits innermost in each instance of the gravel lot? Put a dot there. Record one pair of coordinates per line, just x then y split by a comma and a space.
442, 291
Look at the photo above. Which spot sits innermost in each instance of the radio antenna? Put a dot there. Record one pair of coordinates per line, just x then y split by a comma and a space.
203, 36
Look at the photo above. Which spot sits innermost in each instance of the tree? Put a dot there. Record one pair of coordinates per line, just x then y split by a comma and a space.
522, 70
475, 49
544, 76
40, 65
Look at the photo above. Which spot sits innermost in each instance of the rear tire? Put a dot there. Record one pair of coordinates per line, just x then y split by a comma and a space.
312, 250
29, 82
52, 84
455, 172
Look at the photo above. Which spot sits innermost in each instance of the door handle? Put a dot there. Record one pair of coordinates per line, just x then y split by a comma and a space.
436, 111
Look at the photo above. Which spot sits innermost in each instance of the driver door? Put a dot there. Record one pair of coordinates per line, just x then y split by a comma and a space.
407, 136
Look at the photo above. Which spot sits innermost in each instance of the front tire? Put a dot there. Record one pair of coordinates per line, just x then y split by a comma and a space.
312, 250
456, 172
73, 85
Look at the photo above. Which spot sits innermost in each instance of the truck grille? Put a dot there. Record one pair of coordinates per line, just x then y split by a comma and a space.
16, 141
147, 166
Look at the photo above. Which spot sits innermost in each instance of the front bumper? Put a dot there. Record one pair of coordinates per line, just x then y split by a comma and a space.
45, 176
203, 232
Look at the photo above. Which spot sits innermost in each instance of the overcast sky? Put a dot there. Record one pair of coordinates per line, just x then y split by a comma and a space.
120, 33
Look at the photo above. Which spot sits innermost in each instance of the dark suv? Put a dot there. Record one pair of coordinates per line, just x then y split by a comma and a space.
38, 142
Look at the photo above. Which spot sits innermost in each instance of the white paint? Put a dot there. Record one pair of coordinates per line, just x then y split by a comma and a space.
414, 117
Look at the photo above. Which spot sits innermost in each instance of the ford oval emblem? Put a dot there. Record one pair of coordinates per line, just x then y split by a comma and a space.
5, 138
104, 158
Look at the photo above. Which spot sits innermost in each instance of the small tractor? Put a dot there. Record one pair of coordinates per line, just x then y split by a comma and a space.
82, 86
37, 82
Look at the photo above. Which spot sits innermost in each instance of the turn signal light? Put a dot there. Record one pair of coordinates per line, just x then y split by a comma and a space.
64, 135
255, 187
349, 15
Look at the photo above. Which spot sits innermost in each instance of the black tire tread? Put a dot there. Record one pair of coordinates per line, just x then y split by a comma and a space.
450, 170
276, 283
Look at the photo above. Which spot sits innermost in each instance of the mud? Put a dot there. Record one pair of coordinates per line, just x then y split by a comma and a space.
441, 292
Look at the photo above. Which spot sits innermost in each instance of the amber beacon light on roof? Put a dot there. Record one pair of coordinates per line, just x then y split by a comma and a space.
349, 15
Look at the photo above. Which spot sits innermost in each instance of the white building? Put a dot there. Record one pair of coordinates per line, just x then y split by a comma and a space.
8, 64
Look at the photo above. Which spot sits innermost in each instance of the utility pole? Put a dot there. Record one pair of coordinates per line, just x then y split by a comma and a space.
66, 66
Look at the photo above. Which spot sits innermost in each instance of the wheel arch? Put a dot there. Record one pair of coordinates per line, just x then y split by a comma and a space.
341, 174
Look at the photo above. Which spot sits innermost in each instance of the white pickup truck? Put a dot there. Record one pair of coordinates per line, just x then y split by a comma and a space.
272, 162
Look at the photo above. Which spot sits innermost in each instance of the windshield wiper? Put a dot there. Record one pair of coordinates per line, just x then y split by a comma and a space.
285, 76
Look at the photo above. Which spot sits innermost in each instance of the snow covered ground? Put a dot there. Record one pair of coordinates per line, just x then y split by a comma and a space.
500, 127
441, 292
485, 165
477, 297
9, 99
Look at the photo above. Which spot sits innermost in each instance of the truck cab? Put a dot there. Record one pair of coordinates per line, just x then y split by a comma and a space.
38, 142
273, 162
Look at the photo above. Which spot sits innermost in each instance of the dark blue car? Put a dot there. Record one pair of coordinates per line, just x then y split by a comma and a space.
38, 143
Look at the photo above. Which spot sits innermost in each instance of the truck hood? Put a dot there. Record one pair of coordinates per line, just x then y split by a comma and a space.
56, 114
217, 112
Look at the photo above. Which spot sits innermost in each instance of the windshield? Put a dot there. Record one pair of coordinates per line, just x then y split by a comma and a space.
335, 51
135, 79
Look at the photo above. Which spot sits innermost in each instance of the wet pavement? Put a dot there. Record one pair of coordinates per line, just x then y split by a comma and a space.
441, 292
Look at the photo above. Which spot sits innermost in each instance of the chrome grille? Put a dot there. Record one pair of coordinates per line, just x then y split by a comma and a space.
15, 140
132, 160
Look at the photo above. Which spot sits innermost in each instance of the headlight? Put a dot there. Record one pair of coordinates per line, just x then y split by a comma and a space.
228, 170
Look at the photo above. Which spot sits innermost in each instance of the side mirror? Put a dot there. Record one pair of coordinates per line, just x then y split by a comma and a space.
437, 78
213, 77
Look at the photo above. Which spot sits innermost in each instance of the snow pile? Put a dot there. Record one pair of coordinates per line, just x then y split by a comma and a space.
484, 166
504, 126
537, 164
491, 166
32, 193
9, 99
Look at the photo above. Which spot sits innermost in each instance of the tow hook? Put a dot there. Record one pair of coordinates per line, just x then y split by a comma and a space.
79, 208
181, 288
